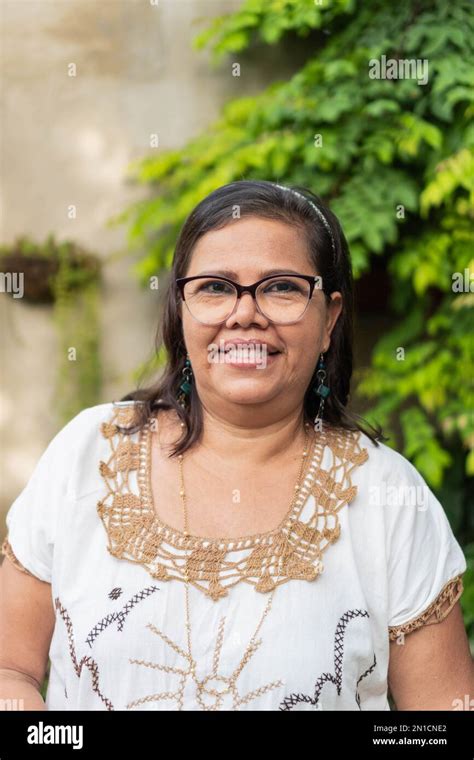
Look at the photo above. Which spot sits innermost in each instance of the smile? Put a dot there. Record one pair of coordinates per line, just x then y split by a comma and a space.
252, 362
243, 354
248, 356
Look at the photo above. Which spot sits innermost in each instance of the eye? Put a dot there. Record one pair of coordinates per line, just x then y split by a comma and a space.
215, 287
283, 286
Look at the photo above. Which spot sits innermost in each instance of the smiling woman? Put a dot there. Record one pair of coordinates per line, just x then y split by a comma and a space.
223, 539
293, 279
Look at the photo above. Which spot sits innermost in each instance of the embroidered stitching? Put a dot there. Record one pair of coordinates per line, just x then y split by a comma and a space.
436, 612
136, 533
214, 685
86, 661
336, 678
364, 675
120, 615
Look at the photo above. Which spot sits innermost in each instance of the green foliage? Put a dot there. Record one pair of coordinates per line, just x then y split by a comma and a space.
467, 598
76, 315
395, 160
268, 21
65, 275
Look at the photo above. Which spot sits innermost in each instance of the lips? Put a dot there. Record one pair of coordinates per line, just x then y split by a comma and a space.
257, 344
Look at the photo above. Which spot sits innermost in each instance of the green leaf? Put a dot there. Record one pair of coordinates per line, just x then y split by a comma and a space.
395, 162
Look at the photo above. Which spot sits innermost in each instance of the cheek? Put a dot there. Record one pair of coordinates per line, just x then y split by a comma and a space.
197, 339
304, 341
301, 363
304, 349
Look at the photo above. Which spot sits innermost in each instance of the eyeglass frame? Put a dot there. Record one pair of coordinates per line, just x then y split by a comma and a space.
252, 289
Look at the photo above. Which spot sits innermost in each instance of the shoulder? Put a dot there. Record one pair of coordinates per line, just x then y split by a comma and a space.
384, 455
79, 429
375, 461
396, 495
390, 489
78, 447
90, 419
385, 464
86, 418
94, 419
66, 472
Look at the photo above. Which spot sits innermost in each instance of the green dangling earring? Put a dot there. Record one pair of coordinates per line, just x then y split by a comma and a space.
321, 390
185, 387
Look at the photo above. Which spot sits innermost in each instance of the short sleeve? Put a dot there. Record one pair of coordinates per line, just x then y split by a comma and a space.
32, 518
425, 561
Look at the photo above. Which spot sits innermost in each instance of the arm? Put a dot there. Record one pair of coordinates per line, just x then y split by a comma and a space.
27, 614
433, 666
26, 628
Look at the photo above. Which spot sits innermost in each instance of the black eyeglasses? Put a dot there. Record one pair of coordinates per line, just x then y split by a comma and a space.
282, 299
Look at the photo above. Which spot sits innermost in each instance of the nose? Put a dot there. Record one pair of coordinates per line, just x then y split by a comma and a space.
246, 312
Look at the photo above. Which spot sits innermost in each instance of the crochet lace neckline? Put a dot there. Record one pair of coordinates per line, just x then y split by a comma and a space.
291, 550
144, 477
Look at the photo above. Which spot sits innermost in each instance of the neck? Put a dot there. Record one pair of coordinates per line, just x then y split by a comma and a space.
245, 441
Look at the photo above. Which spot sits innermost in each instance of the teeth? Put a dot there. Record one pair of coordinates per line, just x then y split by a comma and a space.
243, 346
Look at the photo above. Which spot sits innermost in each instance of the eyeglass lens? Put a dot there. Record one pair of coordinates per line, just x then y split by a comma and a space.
281, 299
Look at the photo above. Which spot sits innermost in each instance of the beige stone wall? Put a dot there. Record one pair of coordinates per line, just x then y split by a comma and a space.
68, 140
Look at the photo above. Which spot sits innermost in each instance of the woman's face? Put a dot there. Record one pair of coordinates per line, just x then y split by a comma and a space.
249, 249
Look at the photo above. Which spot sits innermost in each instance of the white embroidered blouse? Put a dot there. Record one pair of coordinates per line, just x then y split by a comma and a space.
365, 556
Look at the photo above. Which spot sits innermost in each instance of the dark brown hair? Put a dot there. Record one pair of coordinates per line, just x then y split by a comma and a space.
260, 199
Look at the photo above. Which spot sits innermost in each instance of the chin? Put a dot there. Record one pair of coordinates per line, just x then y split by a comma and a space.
246, 392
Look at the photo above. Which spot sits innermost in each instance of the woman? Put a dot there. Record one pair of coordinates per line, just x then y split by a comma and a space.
233, 538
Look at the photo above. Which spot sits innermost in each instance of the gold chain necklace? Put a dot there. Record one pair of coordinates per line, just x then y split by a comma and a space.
211, 685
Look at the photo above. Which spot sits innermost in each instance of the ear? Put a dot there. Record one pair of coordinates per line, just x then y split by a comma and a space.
333, 311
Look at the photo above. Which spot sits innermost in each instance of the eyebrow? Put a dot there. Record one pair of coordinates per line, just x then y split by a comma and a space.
234, 275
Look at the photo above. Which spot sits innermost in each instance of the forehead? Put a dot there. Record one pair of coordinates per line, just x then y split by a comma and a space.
251, 243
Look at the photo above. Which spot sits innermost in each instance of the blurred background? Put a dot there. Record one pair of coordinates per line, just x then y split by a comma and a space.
119, 116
